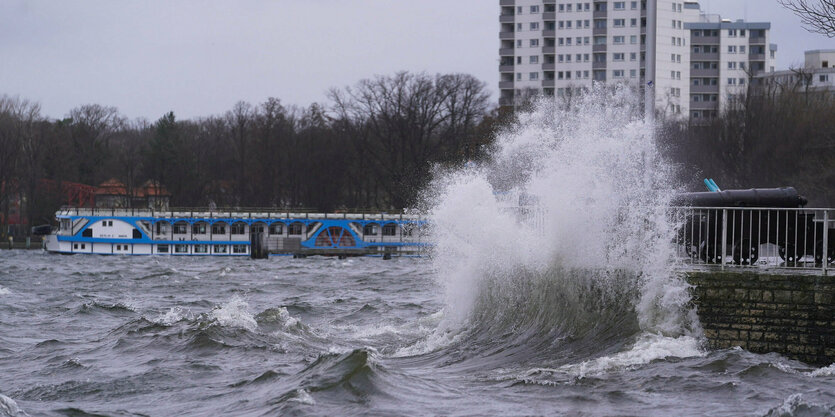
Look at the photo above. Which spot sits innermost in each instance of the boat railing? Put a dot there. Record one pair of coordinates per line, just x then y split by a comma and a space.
236, 213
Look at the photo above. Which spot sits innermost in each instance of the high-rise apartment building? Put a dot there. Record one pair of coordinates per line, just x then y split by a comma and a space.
725, 56
557, 47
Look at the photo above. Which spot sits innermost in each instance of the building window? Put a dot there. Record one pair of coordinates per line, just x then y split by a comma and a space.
732, 33
518, 43
180, 248
220, 248
162, 248
731, 65
620, 5
731, 49
534, 59
633, 39
534, 9
632, 73
617, 73
534, 76
534, 25
618, 56
618, 40
238, 229
633, 5
238, 248
633, 56
633, 22
534, 43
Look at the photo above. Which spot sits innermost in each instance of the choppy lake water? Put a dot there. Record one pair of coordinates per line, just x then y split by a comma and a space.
123, 336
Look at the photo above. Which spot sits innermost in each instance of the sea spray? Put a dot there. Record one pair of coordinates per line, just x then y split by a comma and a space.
591, 175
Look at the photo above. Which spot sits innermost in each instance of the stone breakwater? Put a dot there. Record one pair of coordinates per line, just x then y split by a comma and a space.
793, 315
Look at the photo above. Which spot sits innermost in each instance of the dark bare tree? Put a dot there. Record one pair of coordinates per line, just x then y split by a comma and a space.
817, 15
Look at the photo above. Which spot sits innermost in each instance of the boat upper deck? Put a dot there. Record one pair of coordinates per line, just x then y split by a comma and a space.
243, 213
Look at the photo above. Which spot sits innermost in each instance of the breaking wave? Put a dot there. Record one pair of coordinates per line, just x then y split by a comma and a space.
556, 251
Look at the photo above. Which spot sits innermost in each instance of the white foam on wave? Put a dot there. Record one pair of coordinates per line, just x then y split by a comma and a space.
234, 313
9, 408
173, 315
302, 396
795, 405
823, 372
5, 291
648, 348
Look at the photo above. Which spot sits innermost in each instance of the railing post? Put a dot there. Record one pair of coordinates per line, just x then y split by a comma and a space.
825, 248
724, 237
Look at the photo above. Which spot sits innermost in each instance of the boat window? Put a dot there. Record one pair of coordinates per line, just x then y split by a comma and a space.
87, 232
294, 229
162, 248
137, 234
219, 228
220, 249
238, 248
201, 248
276, 228
162, 228
370, 229
390, 230
180, 228
238, 229
256, 228
198, 228
180, 248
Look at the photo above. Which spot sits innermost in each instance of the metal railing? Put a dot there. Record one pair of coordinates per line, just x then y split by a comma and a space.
236, 213
740, 237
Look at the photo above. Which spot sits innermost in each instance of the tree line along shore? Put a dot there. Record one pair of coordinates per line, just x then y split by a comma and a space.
374, 146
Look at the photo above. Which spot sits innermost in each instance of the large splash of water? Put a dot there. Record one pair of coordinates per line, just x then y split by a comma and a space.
589, 249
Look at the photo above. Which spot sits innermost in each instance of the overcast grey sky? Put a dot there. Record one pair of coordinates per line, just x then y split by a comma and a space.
198, 57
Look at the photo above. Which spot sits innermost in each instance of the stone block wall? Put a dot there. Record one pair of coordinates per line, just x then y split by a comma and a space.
793, 315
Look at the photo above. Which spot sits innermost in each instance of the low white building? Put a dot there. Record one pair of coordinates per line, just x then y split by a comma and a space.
817, 74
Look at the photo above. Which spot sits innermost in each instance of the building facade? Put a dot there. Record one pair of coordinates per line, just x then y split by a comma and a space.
817, 74
557, 48
725, 56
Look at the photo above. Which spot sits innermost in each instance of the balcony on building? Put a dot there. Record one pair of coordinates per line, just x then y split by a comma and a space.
549, 66
506, 52
549, 16
702, 88
505, 85
704, 72
599, 48
548, 83
704, 56
507, 3
549, 33
549, 49
600, 10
